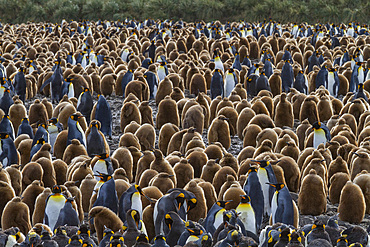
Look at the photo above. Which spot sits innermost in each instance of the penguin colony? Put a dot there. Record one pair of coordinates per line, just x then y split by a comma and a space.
295, 95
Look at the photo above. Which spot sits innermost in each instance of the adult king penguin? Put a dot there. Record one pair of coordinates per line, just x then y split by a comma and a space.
253, 189
107, 195
75, 130
217, 84
9, 153
321, 134
215, 216
282, 208
266, 175
54, 203
246, 213
131, 199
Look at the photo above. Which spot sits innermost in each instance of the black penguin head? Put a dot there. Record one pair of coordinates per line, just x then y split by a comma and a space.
142, 238
262, 163
252, 169
115, 243
40, 141
61, 230
45, 235
317, 125
278, 186
342, 239
107, 231
180, 199
191, 204
168, 220
75, 117
56, 189
53, 120
85, 243
318, 224
136, 216
159, 237
69, 79
103, 156
84, 229
223, 203
4, 135
360, 86
245, 199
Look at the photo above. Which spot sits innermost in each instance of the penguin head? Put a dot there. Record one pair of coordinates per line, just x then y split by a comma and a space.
168, 220
60, 230
223, 203
6, 116
40, 141
107, 231
53, 120
245, 199
103, 156
69, 79
142, 238
278, 186
85, 243
316, 125
342, 239
42, 125
4, 135
262, 163
191, 204
252, 169
360, 86
159, 237
180, 199
318, 224
75, 117
56, 189
136, 216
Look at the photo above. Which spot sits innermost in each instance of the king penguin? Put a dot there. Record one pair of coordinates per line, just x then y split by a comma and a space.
301, 82
36, 147
104, 115
6, 101
152, 81
162, 71
75, 130
266, 175
218, 63
103, 166
360, 93
236, 64
246, 214
25, 128
321, 134
85, 104
173, 201
56, 82
107, 195
131, 199
41, 132
287, 76
95, 140
282, 209
20, 85
9, 155
127, 77
253, 189
54, 128
217, 84
68, 216
230, 82
215, 216
333, 82
6, 126
54, 203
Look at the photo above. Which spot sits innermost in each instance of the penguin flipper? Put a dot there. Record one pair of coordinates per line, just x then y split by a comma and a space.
47, 82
